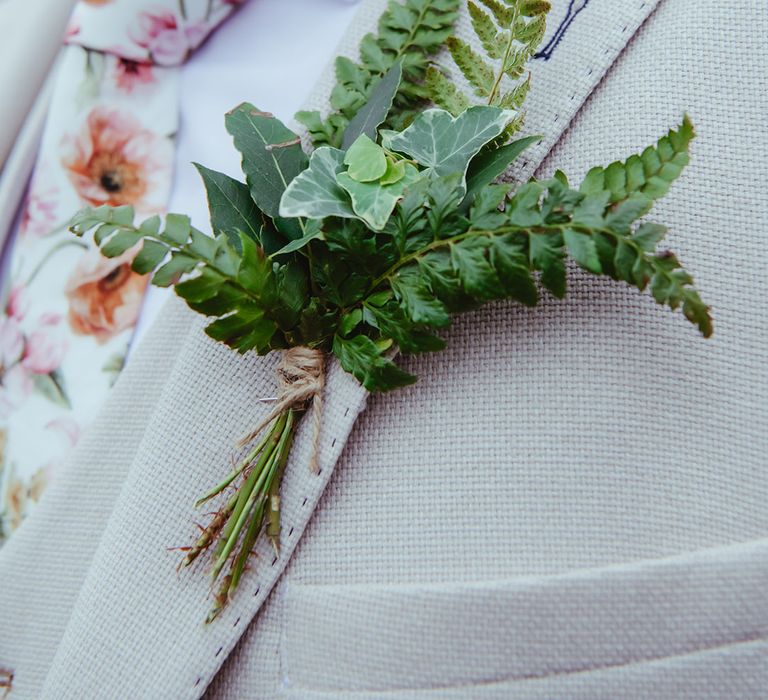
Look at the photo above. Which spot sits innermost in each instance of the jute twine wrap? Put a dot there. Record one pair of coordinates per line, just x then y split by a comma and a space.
302, 377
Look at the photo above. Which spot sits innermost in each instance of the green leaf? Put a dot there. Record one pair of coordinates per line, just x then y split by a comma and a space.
625, 213
478, 73
372, 115
51, 386
649, 235
120, 242
245, 329
486, 211
487, 31
487, 166
546, 255
172, 271
314, 233
272, 154
366, 160
394, 173
649, 174
364, 359
373, 202
419, 303
591, 209
444, 93
152, 253
509, 258
350, 321
230, 204
315, 192
410, 32
470, 259
508, 34
445, 144
177, 228
582, 249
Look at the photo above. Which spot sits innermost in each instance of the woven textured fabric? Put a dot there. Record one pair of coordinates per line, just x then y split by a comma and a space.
588, 433
592, 431
528, 628
738, 672
43, 566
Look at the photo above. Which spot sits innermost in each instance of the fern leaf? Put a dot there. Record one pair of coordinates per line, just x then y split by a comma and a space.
503, 14
477, 72
485, 29
509, 32
444, 92
254, 302
410, 31
651, 173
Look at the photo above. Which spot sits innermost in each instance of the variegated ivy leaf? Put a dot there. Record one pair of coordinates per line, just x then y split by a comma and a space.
445, 144
374, 202
314, 193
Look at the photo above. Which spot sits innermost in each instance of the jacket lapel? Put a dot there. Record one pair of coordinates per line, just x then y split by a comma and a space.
137, 625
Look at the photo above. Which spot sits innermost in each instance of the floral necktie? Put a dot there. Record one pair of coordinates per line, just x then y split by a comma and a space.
69, 313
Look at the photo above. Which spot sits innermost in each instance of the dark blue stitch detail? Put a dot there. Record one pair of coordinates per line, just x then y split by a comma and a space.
574, 7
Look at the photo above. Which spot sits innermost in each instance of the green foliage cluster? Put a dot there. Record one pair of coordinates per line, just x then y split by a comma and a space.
410, 32
509, 32
383, 234
356, 280
376, 243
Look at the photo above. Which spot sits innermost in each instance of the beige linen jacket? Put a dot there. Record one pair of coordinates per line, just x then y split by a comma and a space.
572, 502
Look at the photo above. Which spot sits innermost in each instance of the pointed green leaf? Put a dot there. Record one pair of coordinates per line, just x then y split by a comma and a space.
486, 167
364, 359
230, 204
470, 259
508, 256
152, 253
547, 256
375, 111
583, 250
272, 154
417, 300
312, 234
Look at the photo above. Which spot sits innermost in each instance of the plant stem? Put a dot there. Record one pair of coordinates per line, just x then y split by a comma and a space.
246, 496
504, 60
273, 528
59, 246
261, 502
233, 475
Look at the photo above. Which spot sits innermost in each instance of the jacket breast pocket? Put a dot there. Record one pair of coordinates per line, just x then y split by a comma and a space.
693, 626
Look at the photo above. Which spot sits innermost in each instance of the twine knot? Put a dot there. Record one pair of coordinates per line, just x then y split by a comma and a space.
301, 373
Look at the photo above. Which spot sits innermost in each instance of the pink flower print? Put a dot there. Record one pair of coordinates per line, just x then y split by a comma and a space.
45, 347
196, 33
39, 216
160, 34
11, 342
130, 75
17, 305
73, 29
67, 428
15, 388
114, 160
